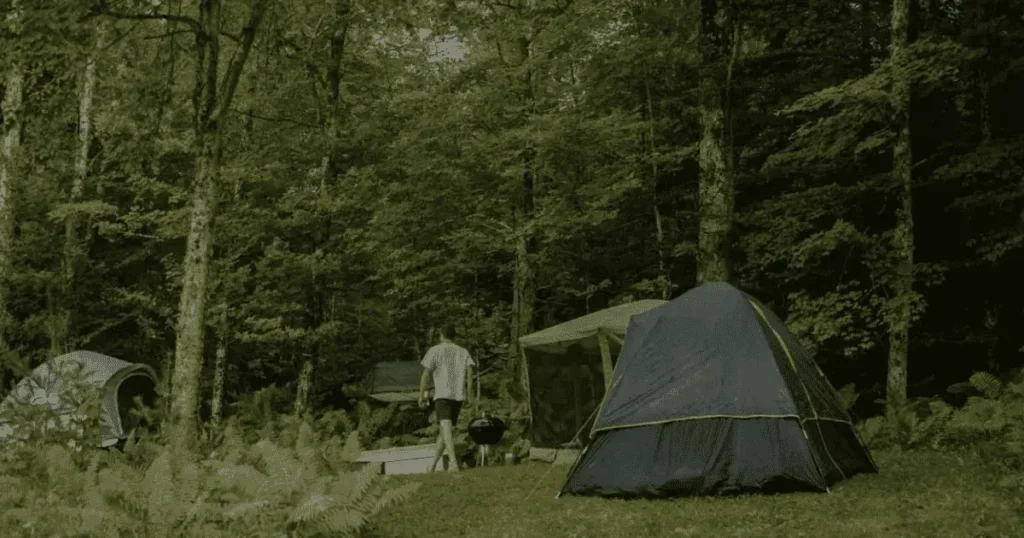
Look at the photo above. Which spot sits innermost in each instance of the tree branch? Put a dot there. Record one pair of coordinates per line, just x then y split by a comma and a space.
259, 9
103, 8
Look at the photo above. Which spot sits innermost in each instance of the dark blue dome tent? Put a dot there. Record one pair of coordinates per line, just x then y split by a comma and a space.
712, 394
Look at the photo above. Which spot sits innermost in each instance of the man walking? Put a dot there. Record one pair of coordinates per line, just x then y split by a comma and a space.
451, 367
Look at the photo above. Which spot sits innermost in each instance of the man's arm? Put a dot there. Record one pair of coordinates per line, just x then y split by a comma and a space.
424, 379
428, 371
469, 382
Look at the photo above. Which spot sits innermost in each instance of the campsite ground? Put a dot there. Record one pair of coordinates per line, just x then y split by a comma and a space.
915, 495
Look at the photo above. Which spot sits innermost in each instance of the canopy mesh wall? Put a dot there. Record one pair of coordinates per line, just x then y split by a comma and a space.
568, 367
565, 389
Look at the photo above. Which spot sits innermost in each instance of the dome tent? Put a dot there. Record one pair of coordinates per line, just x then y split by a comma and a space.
567, 368
54, 386
711, 395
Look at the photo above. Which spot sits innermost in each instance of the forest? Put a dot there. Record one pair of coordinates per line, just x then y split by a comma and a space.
262, 199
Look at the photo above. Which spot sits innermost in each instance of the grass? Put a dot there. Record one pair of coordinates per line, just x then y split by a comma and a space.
914, 495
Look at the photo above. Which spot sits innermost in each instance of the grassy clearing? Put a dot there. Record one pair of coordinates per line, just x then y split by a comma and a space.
915, 495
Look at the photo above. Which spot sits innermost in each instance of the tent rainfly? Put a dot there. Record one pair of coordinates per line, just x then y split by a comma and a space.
711, 395
56, 384
568, 367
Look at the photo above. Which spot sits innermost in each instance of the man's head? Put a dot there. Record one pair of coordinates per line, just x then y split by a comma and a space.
448, 332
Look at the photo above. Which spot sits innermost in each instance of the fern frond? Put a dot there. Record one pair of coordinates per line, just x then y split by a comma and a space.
987, 384
352, 449
245, 510
161, 507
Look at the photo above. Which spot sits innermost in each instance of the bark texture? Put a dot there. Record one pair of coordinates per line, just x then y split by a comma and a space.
10, 141
903, 233
716, 190
212, 100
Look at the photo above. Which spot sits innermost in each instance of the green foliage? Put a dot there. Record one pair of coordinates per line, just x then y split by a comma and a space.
371, 422
990, 425
263, 489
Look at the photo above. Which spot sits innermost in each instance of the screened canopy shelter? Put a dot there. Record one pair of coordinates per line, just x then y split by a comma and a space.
712, 394
396, 381
569, 366
61, 384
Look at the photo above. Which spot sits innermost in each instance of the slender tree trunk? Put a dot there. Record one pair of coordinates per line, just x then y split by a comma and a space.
304, 387
972, 20
664, 284
213, 101
525, 285
220, 363
716, 190
10, 141
330, 170
903, 234
74, 245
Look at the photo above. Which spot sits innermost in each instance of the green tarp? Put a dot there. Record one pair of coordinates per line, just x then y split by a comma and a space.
396, 381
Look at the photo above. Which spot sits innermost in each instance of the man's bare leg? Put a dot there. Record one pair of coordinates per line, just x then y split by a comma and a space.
449, 443
437, 452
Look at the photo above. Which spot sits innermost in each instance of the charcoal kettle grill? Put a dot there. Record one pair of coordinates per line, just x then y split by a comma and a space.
485, 431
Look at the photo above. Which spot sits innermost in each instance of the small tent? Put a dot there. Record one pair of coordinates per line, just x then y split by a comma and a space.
396, 381
712, 395
569, 366
57, 385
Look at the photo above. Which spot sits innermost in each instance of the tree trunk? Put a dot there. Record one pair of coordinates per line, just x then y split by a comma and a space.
664, 284
11, 109
525, 286
716, 190
220, 363
74, 245
903, 233
212, 102
972, 20
342, 13
304, 387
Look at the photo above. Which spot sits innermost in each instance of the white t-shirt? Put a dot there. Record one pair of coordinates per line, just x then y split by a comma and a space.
448, 363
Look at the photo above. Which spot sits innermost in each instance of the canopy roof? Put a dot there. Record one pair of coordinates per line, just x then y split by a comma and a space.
614, 320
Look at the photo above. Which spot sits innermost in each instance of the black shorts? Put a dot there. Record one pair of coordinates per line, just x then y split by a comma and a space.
445, 409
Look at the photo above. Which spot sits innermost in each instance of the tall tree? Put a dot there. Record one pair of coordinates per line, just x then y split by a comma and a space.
11, 109
74, 243
717, 190
340, 19
212, 99
903, 232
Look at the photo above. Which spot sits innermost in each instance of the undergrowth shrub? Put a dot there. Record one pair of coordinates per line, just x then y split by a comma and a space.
298, 488
990, 425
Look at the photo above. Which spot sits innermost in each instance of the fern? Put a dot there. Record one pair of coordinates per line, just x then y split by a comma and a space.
987, 384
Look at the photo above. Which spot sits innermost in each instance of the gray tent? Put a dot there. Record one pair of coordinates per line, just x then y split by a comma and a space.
569, 366
55, 385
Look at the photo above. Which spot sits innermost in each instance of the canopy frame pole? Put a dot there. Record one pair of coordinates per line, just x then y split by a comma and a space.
525, 381
606, 359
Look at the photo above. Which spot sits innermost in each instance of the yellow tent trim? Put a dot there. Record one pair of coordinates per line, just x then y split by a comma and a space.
803, 387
